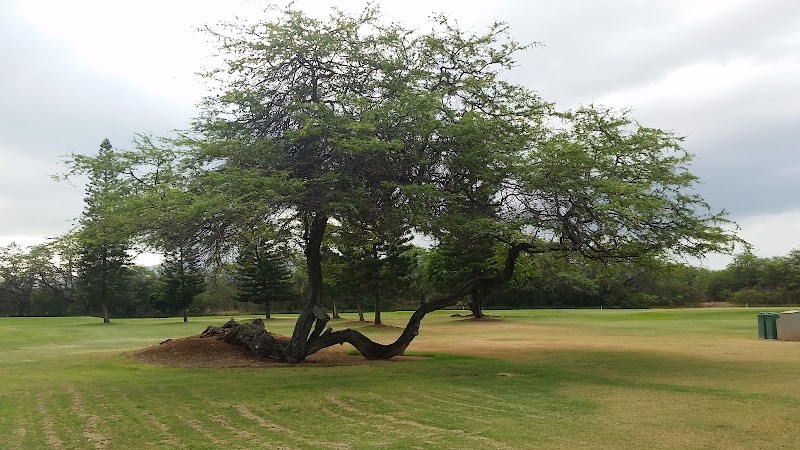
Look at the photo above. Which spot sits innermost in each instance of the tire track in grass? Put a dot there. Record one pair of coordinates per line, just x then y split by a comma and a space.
201, 430
430, 439
432, 403
433, 431
493, 403
169, 438
384, 430
20, 432
52, 439
507, 409
224, 423
275, 428
409, 403
295, 435
90, 427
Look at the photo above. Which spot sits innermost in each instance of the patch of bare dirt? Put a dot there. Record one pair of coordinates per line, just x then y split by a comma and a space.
471, 318
383, 325
207, 352
718, 305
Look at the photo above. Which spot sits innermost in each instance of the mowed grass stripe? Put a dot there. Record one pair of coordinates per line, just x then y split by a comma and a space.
437, 405
295, 435
217, 430
229, 418
19, 432
186, 416
391, 432
508, 425
146, 417
254, 418
366, 409
25, 431
92, 430
126, 423
8, 415
67, 426
52, 438
637, 418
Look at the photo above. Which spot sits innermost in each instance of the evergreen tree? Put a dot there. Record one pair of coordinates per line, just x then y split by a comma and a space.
181, 279
262, 275
103, 239
375, 263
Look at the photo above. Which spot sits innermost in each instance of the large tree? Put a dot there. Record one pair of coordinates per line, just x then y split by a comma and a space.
103, 237
349, 121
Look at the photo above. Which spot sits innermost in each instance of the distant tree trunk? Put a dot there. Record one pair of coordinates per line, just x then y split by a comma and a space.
476, 305
360, 308
268, 307
335, 311
185, 314
378, 307
106, 319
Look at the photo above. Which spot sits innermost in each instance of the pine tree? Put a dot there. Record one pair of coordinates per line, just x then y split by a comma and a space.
104, 258
181, 279
263, 275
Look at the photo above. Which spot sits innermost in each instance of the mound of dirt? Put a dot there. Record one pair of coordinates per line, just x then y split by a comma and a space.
205, 352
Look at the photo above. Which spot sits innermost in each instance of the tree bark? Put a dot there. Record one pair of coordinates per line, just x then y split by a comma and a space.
185, 315
360, 308
268, 307
335, 310
104, 308
315, 234
476, 304
378, 307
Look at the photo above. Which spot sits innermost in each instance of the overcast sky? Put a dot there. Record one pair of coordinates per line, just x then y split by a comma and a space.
725, 74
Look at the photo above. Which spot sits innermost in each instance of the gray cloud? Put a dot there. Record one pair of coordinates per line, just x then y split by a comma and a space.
53, 107
744, 140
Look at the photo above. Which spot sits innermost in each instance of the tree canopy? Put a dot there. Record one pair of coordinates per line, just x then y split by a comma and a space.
350, 123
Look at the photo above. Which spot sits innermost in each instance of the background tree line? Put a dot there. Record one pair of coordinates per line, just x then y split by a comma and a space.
44, 280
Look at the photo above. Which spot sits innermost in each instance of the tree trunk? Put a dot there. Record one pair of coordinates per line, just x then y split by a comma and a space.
476, 305
315, 234
335, 310
185, 315
360, 308
106, 319
268, 312
378, 307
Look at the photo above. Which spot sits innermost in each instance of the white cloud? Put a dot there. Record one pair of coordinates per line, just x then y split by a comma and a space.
22, 241
708, 83
772, 234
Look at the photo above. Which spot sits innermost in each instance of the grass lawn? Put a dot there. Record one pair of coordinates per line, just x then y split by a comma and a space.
560, 379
